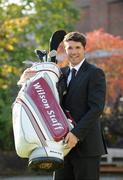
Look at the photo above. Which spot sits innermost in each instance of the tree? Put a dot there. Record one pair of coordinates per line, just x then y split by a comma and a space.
109, 58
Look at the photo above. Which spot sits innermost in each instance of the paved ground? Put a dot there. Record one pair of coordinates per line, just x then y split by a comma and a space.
50, 178
27, 178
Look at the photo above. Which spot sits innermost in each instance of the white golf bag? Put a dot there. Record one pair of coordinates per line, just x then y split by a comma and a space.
39, 123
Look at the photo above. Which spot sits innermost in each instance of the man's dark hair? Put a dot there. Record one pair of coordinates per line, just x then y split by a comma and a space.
75, 36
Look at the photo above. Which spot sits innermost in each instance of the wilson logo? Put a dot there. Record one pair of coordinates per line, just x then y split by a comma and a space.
46, 106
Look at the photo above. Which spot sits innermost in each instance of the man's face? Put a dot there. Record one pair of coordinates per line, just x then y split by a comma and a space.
75, 52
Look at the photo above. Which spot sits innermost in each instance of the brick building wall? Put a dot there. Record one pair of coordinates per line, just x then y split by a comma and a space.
106, 14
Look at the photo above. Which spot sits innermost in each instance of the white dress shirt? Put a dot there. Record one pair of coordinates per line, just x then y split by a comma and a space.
75, 67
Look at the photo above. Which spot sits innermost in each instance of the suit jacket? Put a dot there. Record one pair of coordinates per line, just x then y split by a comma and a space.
85, 101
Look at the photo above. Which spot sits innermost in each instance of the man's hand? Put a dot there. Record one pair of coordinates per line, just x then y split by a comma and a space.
27, 74
71, 140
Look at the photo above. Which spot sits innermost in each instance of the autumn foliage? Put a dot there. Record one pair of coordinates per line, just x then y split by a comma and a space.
112, 64
9, 30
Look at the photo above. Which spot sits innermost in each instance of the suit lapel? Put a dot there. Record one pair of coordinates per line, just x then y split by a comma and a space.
78, 79
63, 79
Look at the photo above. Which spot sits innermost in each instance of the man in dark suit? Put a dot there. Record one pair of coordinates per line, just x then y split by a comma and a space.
85, 100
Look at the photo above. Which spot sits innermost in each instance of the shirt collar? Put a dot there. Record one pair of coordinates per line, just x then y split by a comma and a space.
77, 66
